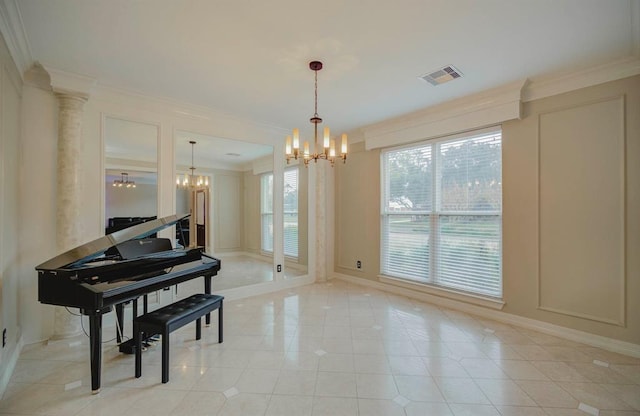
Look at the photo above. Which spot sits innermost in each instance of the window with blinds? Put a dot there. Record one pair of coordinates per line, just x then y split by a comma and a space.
266, 212
291, 212
441, 216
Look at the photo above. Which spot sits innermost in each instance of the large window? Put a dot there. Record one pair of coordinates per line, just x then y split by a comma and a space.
442, 213
266, 212
291, 212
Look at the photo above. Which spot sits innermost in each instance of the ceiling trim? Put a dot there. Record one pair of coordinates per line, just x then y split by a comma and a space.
70, 83
228, 126
553, 85
12, 30
474, 111
492, 106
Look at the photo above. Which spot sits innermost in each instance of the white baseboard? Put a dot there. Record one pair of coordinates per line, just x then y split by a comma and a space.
9, 364
609, 344
264, 288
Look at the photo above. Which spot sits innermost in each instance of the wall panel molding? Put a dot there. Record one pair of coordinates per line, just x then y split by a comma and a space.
581, 245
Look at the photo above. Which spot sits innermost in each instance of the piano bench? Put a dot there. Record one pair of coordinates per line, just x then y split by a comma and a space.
167, 319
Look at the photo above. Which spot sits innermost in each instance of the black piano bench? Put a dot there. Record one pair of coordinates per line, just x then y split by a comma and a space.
167, 319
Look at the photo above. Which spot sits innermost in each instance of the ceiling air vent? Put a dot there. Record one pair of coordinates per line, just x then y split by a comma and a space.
446, 74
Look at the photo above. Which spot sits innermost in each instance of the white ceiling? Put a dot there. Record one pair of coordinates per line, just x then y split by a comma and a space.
249, 58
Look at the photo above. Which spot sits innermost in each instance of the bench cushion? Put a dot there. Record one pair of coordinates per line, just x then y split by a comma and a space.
180, 313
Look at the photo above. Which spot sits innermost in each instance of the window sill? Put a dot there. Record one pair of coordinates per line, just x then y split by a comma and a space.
479, 300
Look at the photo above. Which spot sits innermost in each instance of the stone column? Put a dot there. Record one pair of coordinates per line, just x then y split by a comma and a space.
69, 194
321, 220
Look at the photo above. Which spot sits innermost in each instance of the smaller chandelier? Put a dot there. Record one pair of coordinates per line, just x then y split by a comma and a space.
328, 152
124, 182
191, 180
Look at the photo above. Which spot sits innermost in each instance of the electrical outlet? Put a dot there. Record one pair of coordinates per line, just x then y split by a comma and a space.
359, 264
279, 268
4, 337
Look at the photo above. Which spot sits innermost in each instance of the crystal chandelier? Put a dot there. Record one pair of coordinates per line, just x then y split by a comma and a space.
124, 181
191, 180
328, 150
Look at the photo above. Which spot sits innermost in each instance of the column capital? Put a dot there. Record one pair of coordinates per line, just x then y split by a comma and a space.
67, 100
70, 84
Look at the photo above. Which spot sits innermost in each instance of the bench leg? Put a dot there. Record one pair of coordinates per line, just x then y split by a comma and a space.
220, 323
198, 328
137, 339
165, 356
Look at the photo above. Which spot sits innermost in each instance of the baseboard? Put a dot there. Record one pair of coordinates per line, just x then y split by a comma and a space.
6, 370
609, 344
264, 288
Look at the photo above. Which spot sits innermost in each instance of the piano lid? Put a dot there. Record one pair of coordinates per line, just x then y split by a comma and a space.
88, 251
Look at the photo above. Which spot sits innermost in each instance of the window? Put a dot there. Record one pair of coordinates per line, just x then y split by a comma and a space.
266, 212
441, 216
291, 212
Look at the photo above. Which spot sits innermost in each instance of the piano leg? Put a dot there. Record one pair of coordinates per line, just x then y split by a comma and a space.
207, 290
95, 345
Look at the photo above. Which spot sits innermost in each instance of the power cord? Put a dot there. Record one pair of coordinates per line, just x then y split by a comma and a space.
118, 329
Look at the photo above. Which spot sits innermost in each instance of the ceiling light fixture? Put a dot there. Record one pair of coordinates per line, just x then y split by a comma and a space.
190, 180
124, 182
292, 147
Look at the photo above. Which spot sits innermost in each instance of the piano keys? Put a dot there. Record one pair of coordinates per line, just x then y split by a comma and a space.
118, 268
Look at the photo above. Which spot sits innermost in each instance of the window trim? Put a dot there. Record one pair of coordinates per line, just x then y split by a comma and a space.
297, 213
263, 214
432, 287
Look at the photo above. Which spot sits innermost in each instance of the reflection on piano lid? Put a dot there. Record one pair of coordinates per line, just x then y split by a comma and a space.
81, 255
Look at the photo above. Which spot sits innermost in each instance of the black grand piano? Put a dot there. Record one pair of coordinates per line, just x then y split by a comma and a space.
119, 268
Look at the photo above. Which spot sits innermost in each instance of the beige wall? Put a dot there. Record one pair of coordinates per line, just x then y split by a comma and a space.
357, 213
228, 201
557, 218
571, 194
251, 193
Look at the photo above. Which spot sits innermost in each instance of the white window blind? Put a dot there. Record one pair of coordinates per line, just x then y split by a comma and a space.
442, 213
266, 212
291, 212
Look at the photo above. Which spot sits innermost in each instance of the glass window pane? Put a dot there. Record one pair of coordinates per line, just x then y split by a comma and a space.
406, 246
409, 178
469, 253
471, 174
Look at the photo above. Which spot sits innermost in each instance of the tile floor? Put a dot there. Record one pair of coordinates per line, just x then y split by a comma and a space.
335, 349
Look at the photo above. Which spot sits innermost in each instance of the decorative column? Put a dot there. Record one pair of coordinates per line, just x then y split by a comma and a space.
68, 194
321, 221
72, 91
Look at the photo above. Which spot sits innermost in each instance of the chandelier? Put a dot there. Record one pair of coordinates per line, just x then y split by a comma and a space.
191, 180
328, 150
124, 181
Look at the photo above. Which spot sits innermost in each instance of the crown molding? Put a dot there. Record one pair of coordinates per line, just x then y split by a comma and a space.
12, 30
229, 125
553, 85
474, 111
64, 82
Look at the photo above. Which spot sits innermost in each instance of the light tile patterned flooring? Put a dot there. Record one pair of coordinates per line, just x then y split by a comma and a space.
335, 349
